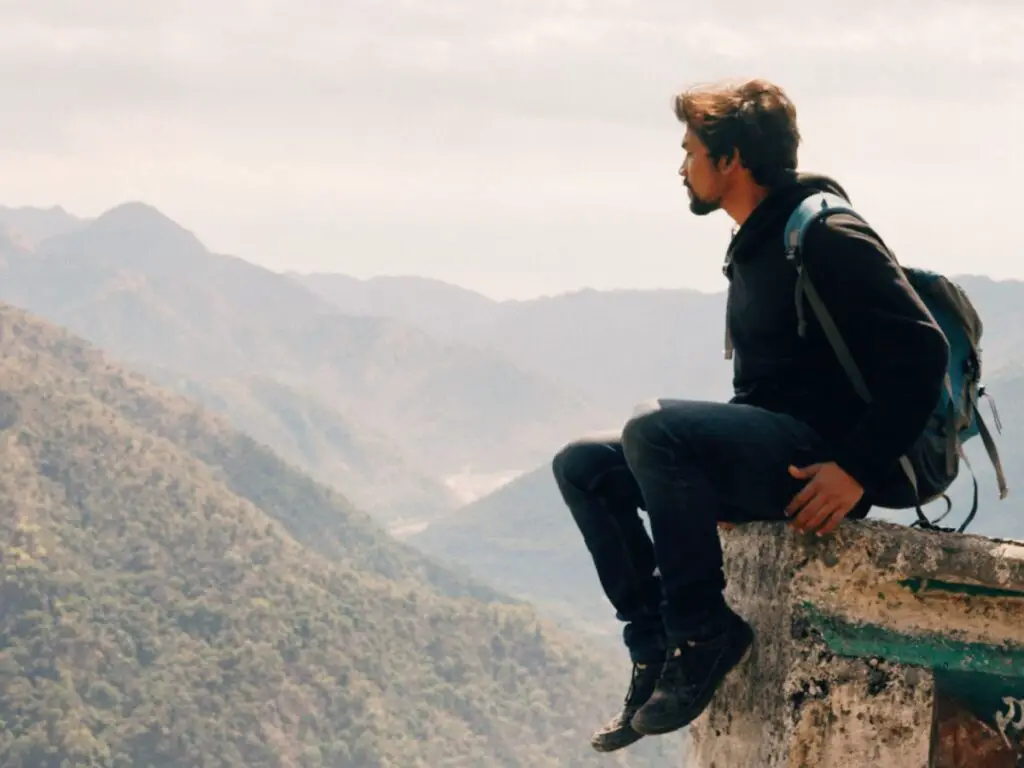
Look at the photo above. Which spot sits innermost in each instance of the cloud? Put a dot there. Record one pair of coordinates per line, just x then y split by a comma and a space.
555, 57
458, 74
466, 122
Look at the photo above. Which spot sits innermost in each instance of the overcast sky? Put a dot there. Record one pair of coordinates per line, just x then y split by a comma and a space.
519, 147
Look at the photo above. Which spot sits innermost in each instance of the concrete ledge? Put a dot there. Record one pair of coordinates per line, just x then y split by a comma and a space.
864, 640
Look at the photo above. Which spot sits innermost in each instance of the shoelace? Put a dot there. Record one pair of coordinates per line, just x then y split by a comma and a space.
679, 664
638, 671
632, 684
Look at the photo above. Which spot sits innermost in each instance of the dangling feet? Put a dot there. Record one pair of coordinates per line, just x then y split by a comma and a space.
692, 672
618, 733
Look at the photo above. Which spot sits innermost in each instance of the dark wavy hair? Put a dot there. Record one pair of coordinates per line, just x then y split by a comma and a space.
754, 118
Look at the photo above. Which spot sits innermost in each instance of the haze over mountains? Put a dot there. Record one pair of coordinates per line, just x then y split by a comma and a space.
620, 347
142, 287
615, 347
412, 398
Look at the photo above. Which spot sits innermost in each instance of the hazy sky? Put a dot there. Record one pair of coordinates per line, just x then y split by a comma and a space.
518, 147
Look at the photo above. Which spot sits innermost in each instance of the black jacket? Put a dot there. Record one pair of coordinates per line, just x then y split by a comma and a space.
898, 346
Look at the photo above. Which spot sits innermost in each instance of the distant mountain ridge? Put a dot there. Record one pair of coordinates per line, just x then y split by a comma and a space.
138, 284
616, 347
37, 224
436, 306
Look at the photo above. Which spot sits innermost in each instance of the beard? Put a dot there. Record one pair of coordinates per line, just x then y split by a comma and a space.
702, 207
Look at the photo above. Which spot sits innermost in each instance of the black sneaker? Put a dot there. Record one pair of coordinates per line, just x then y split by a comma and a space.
618, 733
691, 676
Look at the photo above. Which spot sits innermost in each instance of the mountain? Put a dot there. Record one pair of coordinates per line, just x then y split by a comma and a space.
141, 286
618, 347
437, 307
1001, 304
310, 434
33, 225
13, 244
313, 514
522, 539
175, 594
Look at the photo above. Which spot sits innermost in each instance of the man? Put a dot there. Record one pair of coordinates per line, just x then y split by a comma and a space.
794, 442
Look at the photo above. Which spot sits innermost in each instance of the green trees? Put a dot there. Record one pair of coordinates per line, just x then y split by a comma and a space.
172, 594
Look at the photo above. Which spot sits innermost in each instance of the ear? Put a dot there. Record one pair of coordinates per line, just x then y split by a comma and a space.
730, 163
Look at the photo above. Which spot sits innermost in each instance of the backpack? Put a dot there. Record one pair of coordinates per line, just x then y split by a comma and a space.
956, 417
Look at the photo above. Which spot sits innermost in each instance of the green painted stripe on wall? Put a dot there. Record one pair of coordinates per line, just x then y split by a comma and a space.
930, 585
929, 650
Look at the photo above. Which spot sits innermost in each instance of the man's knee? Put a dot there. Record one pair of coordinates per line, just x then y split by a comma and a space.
581, 463
571, 466
647, 429
560, 464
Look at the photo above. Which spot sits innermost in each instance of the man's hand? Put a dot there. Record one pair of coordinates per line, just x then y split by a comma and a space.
827, 498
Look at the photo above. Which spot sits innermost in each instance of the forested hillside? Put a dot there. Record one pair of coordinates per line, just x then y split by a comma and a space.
160, 607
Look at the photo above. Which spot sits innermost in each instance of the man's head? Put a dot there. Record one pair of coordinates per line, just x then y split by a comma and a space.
740, 142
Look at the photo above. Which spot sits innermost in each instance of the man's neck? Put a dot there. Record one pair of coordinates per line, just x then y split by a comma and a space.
742, 202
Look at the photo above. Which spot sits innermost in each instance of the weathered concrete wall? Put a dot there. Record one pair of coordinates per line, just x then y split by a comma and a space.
866, 640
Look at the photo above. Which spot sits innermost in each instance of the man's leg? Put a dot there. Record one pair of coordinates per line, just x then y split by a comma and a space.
697, 463
604, 499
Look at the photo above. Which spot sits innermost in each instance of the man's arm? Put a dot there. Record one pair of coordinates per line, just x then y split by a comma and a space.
900, 350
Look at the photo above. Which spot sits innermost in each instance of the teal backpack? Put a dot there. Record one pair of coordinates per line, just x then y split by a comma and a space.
956, 418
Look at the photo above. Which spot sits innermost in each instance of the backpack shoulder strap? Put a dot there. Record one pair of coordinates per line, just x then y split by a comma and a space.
809, 210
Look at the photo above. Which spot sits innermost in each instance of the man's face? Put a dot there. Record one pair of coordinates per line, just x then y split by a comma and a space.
702, 179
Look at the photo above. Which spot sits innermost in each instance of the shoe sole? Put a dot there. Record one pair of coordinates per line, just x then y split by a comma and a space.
702, 703
626, 740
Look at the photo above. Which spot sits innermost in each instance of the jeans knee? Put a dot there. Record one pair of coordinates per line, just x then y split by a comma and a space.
645, 430
581, 464
568, 467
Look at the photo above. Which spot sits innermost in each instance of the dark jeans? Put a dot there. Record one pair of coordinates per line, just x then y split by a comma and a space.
689, 465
